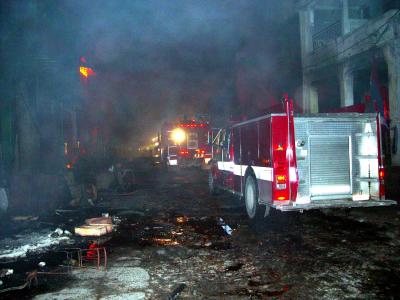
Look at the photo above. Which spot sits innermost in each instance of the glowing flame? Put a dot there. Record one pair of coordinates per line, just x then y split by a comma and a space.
182, 219
86, 71
166, 242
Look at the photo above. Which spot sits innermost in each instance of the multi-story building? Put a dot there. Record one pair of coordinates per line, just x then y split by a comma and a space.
351, 49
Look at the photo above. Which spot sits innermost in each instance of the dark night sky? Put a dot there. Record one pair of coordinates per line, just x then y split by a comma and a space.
156, 60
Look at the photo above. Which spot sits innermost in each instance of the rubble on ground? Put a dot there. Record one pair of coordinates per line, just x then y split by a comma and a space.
173, 238
30, 242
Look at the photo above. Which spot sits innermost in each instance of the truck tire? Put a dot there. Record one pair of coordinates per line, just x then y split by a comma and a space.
254, 210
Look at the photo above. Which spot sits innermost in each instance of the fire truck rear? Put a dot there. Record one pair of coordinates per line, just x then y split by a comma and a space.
185, 143
302, 162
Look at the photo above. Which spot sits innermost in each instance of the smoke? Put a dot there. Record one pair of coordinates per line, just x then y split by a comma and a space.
183, 57
155, 60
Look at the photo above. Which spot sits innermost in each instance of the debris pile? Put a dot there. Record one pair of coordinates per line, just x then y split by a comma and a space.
29, 242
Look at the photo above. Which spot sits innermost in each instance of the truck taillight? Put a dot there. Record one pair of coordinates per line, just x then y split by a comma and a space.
280, 182
200, 151
280, 191
281, 178
281, 195
381, 173
381, 182
381, 170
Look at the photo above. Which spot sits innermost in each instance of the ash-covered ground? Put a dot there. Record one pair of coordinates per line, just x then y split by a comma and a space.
174, 236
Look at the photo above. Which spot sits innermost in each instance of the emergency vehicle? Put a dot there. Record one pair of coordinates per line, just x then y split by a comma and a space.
299, 162
185, 143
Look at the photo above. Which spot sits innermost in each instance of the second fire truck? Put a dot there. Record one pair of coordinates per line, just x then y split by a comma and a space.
185, 143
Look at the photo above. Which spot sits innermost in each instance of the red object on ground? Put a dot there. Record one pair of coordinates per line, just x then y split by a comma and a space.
92, 252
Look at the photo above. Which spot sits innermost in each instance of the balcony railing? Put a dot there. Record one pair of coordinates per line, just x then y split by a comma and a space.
326, 35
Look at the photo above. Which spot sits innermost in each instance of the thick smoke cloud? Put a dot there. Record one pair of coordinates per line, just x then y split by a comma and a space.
156, 60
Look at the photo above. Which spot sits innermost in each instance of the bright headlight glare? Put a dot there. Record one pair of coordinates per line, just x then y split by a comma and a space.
178, 135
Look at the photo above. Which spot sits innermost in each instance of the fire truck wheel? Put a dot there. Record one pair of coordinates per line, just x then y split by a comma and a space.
211, 184
253, 208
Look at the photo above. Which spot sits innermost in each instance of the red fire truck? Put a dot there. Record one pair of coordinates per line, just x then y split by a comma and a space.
185, 143
302, 162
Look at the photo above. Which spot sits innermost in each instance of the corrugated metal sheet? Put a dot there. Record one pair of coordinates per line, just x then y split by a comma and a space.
329, 164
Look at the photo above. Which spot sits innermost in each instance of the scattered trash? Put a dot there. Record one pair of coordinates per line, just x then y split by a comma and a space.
116, 220
105, 215
225, 226
208, 244
95, 227
66, 232
56, 233
6, 272
93, 230
99, 221
31, 277
234, 267
42, 264
177, 290
31, 242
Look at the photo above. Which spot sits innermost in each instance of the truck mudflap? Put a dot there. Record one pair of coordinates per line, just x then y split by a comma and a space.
339, 203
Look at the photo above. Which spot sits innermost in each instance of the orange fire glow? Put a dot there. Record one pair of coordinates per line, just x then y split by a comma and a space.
86, 71
166, 242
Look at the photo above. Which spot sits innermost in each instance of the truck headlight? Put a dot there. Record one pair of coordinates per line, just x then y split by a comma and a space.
178, 135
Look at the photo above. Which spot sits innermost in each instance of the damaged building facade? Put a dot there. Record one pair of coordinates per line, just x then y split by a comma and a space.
38, 112
351, 55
